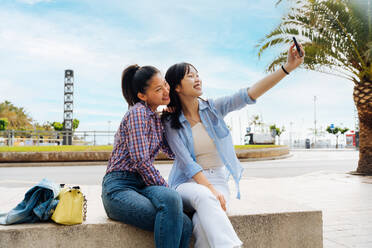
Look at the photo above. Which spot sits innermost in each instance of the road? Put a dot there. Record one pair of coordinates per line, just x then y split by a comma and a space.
301, 162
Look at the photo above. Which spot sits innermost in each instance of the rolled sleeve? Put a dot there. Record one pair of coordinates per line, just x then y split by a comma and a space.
236, 101
192, 169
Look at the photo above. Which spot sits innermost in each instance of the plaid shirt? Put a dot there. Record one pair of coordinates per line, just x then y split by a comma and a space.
137, 142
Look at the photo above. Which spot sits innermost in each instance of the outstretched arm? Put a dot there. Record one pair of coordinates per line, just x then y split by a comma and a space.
293, 61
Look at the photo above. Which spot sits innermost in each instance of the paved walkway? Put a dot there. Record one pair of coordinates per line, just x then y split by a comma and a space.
346, 202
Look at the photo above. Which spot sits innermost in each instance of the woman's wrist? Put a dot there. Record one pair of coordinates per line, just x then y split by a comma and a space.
284, 70
288, 68
210, 187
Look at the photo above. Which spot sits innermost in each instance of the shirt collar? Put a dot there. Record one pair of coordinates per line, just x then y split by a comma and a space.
148, 109
203, 104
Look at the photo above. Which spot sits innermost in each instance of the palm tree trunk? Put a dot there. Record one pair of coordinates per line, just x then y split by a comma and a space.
363, 101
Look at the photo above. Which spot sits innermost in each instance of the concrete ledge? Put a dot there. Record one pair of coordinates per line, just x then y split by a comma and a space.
260, 222
297, 229
53, 164
90, 156
262, 153
259, 159
6, 157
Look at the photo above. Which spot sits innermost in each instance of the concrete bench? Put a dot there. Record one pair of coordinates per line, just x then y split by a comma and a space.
258, 222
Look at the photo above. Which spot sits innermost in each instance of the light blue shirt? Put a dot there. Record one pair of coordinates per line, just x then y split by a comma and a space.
211, 114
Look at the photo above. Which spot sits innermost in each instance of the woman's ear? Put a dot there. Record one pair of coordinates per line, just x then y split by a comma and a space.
178, 88
142, 96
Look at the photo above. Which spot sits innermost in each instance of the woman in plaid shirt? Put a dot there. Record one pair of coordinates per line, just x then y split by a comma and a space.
133, 191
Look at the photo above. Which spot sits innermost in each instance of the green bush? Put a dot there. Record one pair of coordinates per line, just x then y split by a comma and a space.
3, 123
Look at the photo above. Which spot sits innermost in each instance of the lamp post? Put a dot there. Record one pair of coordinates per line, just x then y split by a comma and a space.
314, 120
332, 127
290, 134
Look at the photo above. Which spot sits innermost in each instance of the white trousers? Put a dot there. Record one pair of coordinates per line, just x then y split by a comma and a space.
212, 227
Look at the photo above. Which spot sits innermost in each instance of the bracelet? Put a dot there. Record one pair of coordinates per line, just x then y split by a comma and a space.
285, 70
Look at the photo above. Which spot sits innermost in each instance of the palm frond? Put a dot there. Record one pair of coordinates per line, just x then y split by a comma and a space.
336, 34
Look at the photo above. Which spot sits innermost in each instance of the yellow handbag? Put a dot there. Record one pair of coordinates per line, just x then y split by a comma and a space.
71, 208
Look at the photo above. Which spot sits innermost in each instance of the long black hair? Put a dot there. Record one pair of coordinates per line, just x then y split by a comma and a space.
135, 79
173, 76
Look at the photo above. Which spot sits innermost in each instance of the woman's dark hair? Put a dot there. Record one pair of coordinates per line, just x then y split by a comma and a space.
173, 76
135, 79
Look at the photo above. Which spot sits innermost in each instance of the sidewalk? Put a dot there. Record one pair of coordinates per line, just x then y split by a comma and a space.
346, 202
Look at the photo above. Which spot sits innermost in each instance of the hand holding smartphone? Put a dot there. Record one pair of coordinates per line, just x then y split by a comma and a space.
297, 47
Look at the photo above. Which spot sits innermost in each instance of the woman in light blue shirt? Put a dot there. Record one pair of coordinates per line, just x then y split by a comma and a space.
205, 155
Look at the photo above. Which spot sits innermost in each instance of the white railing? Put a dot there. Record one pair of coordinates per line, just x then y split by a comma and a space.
54, 138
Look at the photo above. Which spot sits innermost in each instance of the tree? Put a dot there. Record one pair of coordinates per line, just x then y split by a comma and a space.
57, 126
337, 38
75, 124
277, 131
3, 124
256, 121
17, 117
337, 131
47, 126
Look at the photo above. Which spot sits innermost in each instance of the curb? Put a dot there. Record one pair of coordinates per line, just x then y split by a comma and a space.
100, 163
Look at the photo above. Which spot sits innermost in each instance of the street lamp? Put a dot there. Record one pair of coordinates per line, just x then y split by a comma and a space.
290, 134
314, 121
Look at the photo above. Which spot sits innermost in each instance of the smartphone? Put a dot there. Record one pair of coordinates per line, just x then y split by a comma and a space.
298, 47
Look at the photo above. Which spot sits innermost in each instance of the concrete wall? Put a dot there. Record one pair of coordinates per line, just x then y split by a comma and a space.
12, 157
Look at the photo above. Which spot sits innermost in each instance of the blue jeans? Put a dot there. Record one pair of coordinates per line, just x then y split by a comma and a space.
126, 198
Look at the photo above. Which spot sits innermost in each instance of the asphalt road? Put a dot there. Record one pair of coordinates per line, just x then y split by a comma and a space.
300, 163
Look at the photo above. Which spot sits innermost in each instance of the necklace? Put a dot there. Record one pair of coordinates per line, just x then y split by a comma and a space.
191, 119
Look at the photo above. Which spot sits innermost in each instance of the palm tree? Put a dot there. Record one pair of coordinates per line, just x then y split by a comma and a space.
337, 38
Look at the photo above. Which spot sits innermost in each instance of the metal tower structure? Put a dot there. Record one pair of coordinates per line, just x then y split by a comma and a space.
68, 107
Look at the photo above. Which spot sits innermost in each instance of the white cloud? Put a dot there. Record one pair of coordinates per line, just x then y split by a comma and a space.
32, 2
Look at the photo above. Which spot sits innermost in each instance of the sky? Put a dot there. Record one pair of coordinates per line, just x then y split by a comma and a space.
39, 39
